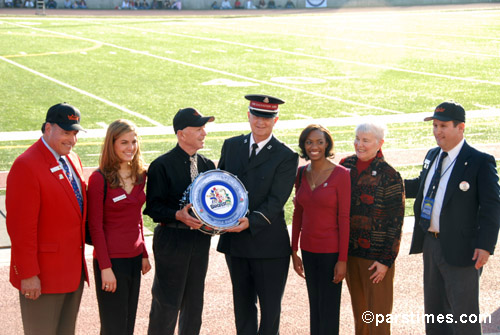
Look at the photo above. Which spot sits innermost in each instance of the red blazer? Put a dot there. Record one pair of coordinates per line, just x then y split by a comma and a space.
44, 221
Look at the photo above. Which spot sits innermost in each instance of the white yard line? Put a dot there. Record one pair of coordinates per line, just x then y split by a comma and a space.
378, 44
107, 102
229, 74
301, 54
245, 127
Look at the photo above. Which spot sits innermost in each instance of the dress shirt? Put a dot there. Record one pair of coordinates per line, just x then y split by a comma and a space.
71, 171
261, 144
448, 164
168, 177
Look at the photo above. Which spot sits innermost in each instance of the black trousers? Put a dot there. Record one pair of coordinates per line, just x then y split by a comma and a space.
324, 294
181, 263
264, 278
118, 310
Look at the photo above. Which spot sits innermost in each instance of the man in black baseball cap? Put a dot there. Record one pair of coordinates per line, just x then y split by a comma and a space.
65, 116
46, 201
448, 111
181, 249
457, 210
190, 117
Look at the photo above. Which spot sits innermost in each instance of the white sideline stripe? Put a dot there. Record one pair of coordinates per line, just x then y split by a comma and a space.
245, 127
330, 17
211, 69
112, 104
389, 45
334, 59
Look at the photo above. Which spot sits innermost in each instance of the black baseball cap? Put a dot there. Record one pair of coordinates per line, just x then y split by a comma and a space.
263, 105
65, 116
190, 117
448, 111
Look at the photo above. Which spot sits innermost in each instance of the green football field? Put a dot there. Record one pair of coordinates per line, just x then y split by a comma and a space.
333, 67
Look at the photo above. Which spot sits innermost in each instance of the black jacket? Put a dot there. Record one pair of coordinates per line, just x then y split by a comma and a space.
269, 180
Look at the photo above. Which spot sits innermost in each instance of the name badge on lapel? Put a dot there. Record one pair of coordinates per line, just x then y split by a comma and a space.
426, 163
55, 169
120, 197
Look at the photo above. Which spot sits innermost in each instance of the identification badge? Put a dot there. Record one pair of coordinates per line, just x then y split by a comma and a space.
120, 197
426, 164
428, 203
55, 169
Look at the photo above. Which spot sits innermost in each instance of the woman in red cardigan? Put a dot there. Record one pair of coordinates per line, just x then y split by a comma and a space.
115, 196
321, 222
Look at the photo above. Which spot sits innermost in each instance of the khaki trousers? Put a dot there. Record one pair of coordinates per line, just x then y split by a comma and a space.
51, 314
367, 296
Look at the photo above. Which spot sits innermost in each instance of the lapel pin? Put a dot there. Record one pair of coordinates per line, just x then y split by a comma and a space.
269, 147
465, 163
245, 141
464, 186
325, 184
426, 164
374, 173
61, 176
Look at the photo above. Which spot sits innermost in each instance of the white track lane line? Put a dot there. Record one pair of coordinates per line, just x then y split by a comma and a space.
229, 74
213, 127
107, 102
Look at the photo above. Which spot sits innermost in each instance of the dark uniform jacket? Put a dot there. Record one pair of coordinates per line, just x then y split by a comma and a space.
269, 179
470, 214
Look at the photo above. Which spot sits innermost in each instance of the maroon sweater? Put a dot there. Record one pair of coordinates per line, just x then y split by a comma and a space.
116, 229
321, 216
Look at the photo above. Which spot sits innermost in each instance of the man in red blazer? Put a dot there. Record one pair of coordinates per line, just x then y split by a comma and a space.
46, 206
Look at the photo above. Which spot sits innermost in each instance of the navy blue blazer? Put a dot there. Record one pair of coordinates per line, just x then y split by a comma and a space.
470, 218
269, 179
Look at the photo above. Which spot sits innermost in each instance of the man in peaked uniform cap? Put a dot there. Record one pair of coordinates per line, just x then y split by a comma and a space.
457, 214
258, 249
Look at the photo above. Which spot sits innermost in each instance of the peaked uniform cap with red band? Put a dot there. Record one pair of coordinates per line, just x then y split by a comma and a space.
263, 105
448, 111
65, 116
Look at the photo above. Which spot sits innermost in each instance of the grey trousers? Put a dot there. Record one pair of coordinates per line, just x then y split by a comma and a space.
51, 314
451, 294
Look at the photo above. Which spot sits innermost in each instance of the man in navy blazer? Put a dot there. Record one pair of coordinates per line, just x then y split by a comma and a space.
456, 229
258, 249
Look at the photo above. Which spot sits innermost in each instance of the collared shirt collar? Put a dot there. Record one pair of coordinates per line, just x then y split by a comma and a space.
183, 153
453, 153
56, 155
261, 144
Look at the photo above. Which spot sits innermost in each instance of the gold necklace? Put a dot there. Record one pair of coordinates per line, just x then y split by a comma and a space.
313, 179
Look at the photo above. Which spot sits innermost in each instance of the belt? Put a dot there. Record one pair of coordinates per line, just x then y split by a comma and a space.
433, 234
177, 225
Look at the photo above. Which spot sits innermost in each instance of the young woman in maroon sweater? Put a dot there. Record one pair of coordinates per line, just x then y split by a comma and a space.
321, 222
116, 228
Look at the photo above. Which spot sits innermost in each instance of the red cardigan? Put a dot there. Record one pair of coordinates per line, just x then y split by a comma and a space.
321, 216
116, 229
